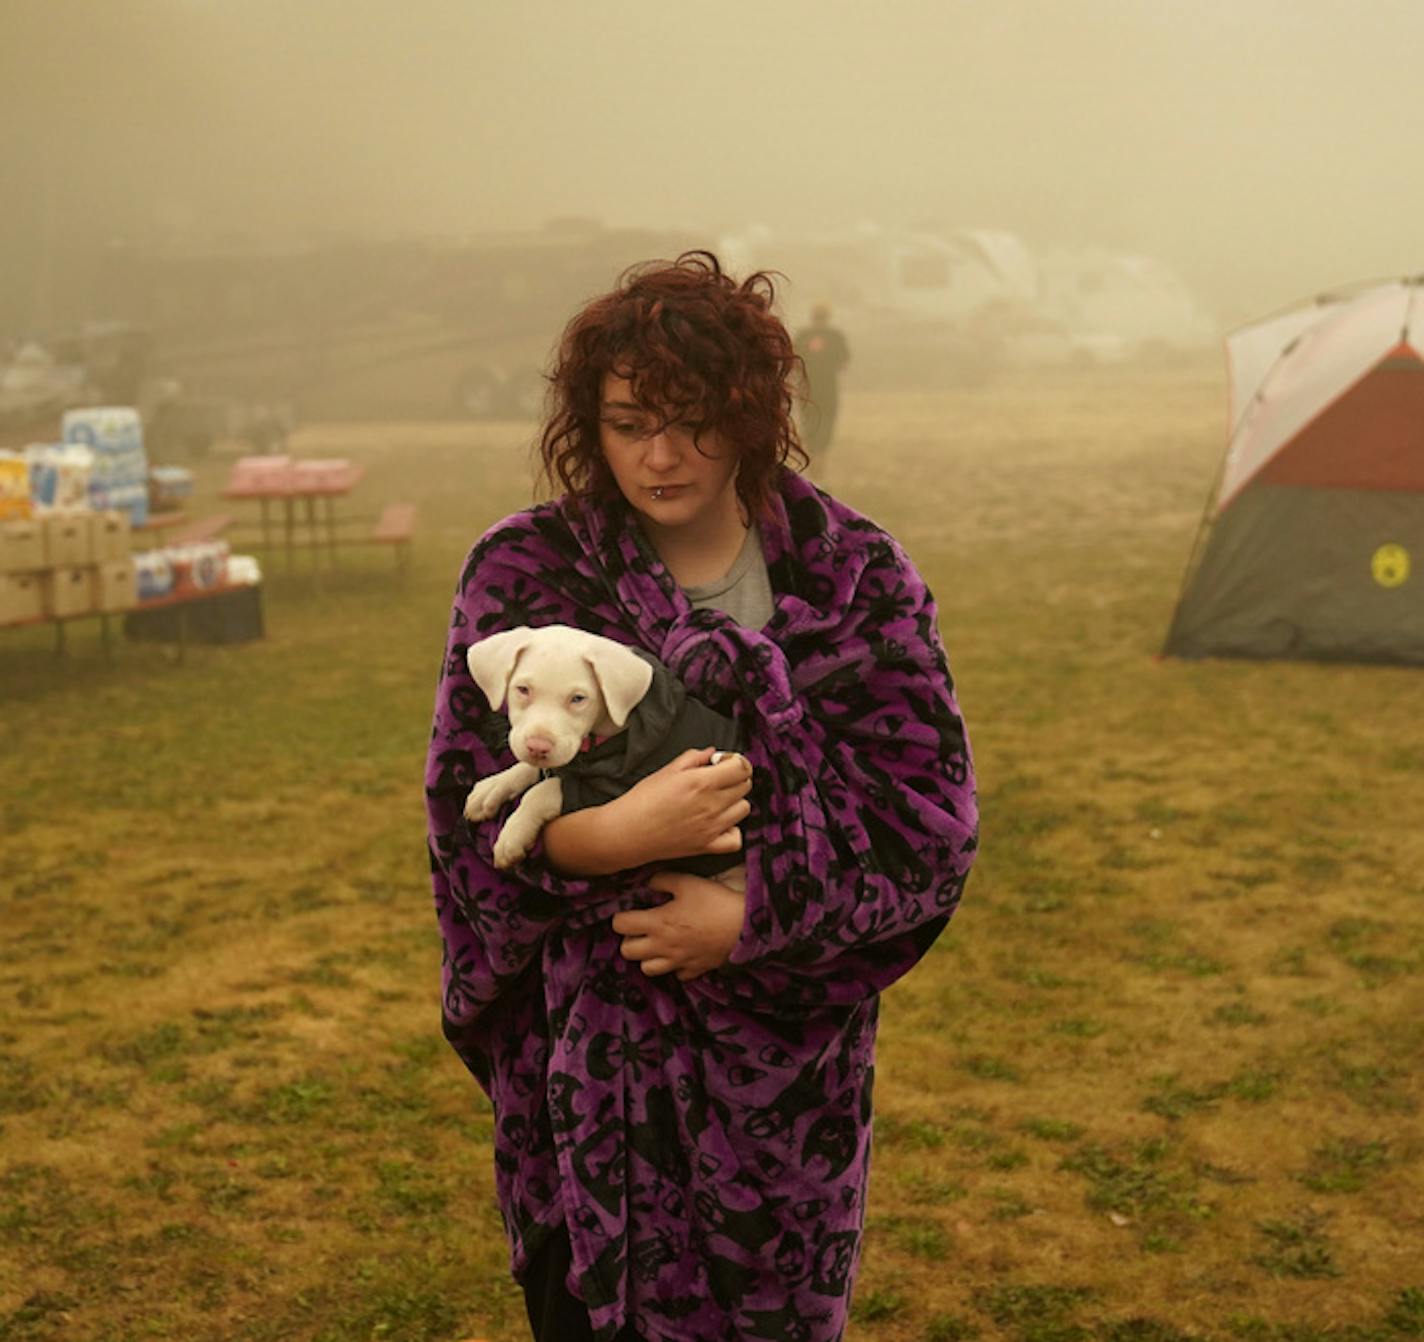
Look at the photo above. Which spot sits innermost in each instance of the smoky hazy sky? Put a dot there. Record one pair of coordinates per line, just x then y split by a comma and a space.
1266, 148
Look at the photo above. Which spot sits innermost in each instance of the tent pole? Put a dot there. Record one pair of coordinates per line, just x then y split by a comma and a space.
1194, 556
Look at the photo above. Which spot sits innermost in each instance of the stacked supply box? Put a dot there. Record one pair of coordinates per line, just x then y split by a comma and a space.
113, 577
108, 536
60, 566
21, 598
68, 592
119, 477
67, 540
21, 560
22, 545
68, 552
114, 585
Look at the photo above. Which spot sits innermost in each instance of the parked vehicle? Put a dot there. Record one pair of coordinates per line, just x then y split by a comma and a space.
910, 302
1113, 307
937, 305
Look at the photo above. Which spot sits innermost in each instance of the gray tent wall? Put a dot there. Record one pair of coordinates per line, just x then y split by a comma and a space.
1287, 571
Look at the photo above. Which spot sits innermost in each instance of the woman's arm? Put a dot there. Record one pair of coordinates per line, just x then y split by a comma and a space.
690, 935
688, 807
864, 818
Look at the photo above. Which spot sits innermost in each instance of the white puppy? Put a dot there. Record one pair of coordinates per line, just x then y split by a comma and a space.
564, 687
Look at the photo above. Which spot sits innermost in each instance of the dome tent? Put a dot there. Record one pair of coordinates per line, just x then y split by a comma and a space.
1312, 545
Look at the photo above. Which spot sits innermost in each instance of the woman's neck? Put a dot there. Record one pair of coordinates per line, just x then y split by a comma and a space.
701, 551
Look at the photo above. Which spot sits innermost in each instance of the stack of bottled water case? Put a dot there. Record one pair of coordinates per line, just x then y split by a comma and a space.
119, 478
59, 478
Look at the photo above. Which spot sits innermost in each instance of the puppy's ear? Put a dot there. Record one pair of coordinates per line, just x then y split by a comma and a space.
623, 677
491, 662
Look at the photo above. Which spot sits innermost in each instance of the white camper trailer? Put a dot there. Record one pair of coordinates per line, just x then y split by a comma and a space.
1113, 307
934, 305
911, 301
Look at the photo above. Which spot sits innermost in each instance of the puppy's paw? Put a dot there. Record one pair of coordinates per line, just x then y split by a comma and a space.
514, 839
486, 797
511, 846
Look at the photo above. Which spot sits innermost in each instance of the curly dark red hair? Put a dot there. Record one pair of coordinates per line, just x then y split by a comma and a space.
697, 347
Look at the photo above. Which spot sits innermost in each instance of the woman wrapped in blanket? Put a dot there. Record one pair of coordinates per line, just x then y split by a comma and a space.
681, 1071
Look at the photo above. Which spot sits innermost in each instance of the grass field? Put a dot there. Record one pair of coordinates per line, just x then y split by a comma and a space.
1160, 1079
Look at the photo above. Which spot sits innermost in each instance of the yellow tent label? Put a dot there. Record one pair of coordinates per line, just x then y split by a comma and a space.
1390, 565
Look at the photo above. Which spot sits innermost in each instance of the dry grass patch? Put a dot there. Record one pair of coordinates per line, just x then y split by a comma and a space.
1159, 1082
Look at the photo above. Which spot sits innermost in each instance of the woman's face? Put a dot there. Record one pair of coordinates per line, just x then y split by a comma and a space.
666, 476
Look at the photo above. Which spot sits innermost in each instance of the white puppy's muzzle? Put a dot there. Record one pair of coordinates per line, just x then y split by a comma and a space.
543, 747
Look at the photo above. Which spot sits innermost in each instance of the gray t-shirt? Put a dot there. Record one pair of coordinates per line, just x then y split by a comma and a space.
744, 591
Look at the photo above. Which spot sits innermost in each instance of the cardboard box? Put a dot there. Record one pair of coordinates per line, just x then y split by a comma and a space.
21, 597
66, 540
109, 534
68, 592
115, 585
21, 546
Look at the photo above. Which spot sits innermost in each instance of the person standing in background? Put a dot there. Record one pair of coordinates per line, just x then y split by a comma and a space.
824, 353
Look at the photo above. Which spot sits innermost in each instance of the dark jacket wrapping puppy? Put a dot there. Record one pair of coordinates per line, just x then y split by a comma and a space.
665, 722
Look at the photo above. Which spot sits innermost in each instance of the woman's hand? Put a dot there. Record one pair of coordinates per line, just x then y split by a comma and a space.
692, 933
688, 807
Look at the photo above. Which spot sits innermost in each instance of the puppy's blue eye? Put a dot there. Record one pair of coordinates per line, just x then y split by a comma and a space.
522, 690
578, 698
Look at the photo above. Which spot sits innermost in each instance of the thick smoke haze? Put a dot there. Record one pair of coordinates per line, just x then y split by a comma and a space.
1265, 148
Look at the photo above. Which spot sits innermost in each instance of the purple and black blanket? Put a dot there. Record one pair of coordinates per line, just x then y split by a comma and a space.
707, 1143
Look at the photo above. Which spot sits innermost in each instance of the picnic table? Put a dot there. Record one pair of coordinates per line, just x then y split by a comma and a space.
307, 491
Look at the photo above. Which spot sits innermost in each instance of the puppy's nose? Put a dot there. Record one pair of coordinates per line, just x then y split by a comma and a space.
539, 747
